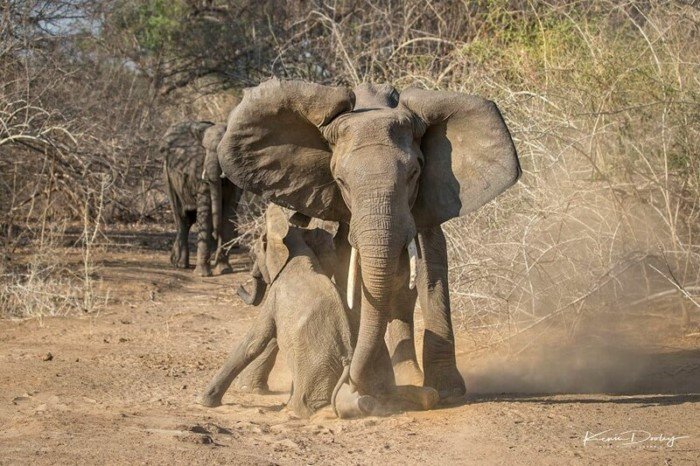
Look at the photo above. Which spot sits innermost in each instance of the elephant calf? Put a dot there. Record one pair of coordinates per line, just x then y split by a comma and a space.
305, 315
198, 194
304, 312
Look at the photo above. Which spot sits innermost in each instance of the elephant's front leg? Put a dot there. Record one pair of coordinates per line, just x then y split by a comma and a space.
439, 361
254, 378
253, 344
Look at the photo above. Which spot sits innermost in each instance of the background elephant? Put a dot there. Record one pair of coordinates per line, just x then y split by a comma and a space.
199, 195
303, 313
392, 168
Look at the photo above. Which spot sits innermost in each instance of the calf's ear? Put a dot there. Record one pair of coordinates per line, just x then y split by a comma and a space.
276, 251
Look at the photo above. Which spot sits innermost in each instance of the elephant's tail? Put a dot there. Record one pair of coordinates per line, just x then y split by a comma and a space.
343, 378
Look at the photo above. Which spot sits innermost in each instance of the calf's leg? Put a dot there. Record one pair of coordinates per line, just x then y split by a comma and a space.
253, 344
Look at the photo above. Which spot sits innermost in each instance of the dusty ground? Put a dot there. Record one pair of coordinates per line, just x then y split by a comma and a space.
119, 387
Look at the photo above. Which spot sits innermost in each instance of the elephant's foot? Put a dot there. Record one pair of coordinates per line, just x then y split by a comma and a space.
202, 270
179, 263
209, 400
222, 268
349, 404
258, 389
408, 373
424, 398
179, 259
448, 382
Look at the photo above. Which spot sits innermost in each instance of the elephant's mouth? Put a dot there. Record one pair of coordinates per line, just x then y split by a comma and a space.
352, 270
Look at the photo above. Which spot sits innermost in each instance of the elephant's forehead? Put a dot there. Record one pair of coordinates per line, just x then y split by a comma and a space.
369, 121
375, 96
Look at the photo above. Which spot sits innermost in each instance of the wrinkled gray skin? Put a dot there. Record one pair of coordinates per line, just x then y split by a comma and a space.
254, 377
303, 313
199, 195
390, 168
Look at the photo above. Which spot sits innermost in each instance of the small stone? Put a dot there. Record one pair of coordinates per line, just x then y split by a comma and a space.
197, 429
47, 357
20, 398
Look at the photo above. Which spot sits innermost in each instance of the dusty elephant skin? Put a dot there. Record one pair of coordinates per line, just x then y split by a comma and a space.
198, 194
303, 313
392, 168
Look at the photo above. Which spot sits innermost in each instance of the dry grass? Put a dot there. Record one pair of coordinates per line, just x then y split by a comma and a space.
43, 284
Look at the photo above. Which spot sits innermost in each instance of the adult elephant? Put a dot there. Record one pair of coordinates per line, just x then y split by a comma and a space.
391, 168
199, 195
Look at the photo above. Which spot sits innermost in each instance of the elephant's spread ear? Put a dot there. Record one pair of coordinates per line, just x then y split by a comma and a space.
273, 145
469, 156
276, 252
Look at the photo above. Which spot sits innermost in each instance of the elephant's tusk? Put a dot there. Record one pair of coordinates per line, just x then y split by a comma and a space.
352, 275
412, 257
204, 174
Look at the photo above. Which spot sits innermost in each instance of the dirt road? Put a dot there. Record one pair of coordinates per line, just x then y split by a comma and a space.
119, 387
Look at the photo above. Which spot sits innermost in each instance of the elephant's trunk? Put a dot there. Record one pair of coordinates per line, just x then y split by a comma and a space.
216, 214
212, 175
379, 248
255, 297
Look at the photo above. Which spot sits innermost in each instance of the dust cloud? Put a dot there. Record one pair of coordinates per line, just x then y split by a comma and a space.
608, 353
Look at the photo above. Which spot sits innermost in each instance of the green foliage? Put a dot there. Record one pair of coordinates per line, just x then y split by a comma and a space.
154, 23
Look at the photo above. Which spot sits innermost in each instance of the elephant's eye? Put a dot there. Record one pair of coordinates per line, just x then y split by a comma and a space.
394, 96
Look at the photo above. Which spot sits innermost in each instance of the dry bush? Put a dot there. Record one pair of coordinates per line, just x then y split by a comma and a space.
68, 116
44, 283
250, 224
602, 98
